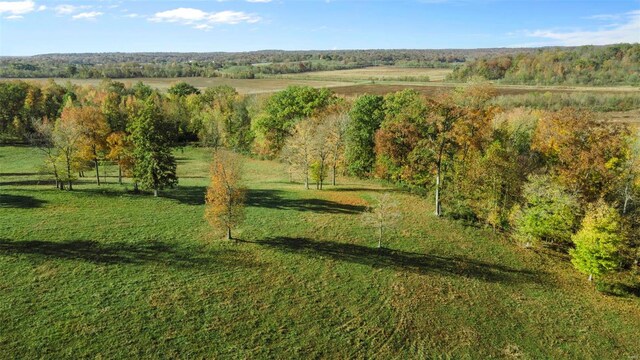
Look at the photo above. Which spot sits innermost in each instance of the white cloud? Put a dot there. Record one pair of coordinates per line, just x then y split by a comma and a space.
603, 17
183, 15
42, 8
203, 27
259, 1
203, 20
65, 9
627, 30
132, 15
14, 17
16, 7
87, 15
232, 17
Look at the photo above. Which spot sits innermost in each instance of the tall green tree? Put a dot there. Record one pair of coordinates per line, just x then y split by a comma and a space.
549, 214
154, 164
284, 110
366, 115
183, 89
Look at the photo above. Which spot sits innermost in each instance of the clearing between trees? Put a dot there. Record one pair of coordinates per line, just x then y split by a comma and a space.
103, 271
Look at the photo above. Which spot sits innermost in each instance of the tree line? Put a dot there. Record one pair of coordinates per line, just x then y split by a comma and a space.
587, 65
237, 65
561, 179
136, 128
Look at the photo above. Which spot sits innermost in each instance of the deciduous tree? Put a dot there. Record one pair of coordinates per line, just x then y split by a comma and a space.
549, 214
66, 139
121, 151
299, 150
598, 241
225, 195
366, 116
93, 128
382, 215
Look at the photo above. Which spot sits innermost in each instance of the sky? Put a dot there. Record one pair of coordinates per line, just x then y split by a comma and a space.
38, 27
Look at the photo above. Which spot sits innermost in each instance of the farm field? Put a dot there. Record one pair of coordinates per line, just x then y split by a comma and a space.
631, 117
243, 86
430, 89
101, 272
377, 73
341, 85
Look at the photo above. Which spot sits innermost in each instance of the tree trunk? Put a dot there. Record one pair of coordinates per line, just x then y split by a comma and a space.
69, 173
95, 160
135, 187
590, 277
438, 212
155, 192
55, 174
334, 176
306, 181
228, 233
626, 199
119, 174
379, 237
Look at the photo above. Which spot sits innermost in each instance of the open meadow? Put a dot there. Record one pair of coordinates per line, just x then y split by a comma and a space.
375, 73
242, 86
104, 273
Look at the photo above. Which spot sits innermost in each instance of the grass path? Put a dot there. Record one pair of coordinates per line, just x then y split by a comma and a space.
100, 271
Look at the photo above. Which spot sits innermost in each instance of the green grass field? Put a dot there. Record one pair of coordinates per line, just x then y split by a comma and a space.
102, 273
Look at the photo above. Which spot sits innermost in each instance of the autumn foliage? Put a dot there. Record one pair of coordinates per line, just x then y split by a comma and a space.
225, 195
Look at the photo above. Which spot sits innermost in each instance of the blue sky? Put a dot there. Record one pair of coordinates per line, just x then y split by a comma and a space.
35, 27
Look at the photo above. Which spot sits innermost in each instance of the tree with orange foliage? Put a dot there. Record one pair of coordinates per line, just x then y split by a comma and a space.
93, 129
120, 151
588, 156
225, 196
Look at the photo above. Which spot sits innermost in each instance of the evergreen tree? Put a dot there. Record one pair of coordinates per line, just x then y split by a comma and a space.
154, 165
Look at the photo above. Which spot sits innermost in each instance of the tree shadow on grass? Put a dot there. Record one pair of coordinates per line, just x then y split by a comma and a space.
28, 182
273, 199
20, 174
423, 264
114, 253
620, 289
20, 202
362, 189
189, 195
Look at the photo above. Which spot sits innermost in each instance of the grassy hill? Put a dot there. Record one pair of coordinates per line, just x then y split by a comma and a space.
101, 272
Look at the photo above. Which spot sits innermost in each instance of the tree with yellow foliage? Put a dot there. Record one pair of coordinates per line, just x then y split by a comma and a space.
225, 195
598, 241
93, 128
120, 151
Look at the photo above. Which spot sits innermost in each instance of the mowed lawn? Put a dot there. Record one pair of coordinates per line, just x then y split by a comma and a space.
102, 273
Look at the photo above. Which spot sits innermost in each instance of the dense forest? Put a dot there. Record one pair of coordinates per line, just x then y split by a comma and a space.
586, 65
237, 65
562, 179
